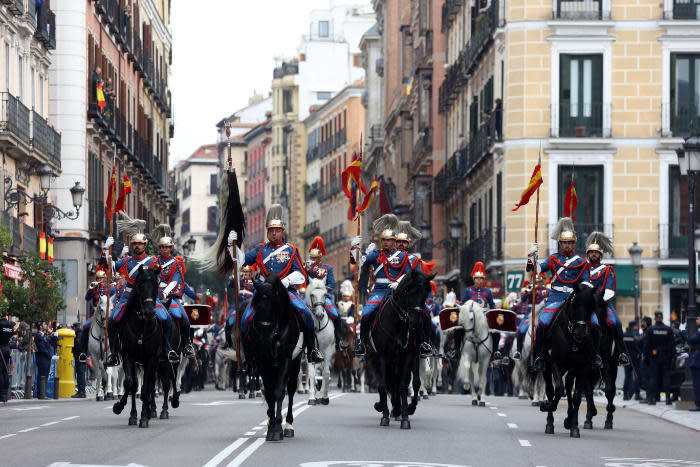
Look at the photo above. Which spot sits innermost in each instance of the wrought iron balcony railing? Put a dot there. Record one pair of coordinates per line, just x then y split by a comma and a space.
580, 10
14, 118
682, 9
570, 119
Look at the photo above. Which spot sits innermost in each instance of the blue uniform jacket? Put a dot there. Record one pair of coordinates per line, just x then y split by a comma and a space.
319, 271
388, 267
567, 271
275, 259
482, 296
44, 350
694, 356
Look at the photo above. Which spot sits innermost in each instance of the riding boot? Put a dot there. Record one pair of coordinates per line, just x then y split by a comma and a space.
424, 349
519, 338
495, 338
188, 349
168, 352
624, 359
336, 333
227, 333
360, 347
312, 353
597, 361
540, 338
114, 348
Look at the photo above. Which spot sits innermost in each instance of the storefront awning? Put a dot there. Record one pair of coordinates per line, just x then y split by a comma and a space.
675, 276
624, 275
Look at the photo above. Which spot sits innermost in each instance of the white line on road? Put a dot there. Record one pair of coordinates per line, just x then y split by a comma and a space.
258, 427
305, 401
51, 423
500, 414
216, 460
28, 429
524, 443
493, 408
22, 409
8, 436
247, 452
512, 426
71, 418
249, 433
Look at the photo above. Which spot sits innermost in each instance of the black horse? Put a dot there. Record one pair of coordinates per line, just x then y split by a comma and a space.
571, 353
394, 350
272, 344
141, 339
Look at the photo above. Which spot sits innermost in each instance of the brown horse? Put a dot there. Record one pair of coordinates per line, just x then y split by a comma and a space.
343, 360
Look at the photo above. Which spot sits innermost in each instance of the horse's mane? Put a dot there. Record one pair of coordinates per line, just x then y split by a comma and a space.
275, 283
410, 279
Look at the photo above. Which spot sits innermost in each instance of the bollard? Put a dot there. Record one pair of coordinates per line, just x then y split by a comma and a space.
64, 370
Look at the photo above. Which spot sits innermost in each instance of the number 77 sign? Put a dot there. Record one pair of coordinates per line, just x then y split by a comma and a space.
514, 280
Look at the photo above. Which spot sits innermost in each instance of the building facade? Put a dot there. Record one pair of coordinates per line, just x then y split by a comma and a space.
123, 48
258, 142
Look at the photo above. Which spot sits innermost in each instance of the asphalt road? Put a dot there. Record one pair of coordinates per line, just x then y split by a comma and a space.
213, 428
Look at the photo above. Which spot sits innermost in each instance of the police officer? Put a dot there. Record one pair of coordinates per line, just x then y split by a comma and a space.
631, 385
44, 352
7, 327
644, 361
659, 349
80, 366
694, 363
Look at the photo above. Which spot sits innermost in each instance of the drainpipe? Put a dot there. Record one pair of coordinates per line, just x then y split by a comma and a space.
447, 229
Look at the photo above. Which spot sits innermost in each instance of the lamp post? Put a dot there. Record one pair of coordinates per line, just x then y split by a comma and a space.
635, 252
13, 196
689, 164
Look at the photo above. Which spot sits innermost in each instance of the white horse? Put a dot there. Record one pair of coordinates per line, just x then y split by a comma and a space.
323, 327
96, 350
520, 370
430, 367
476, 349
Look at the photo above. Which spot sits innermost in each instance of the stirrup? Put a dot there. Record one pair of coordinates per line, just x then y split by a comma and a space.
173, 357
597, 362
425, 350
624, 359
516, 355
538, 364
315, 356
82, 358
189, 350
360, 349
112, 360
496, 355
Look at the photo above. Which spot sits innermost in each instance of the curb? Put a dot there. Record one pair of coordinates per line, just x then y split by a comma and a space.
679, 417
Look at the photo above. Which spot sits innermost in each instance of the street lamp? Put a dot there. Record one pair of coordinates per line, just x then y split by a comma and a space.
456, 227
635, 252
689, 164
188, 246
45, 173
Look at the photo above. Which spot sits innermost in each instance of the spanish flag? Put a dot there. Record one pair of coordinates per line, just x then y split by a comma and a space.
110, 195
532, 187
50, 249
353, 173
368, 196
42, 245
123, 191
101, 102
570, 201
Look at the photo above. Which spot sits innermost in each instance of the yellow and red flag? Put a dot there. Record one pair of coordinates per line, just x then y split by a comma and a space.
50, 249
110, 195
42, 245
570, 201
532, 186
368, 196
353, 173
101, 102
124, 190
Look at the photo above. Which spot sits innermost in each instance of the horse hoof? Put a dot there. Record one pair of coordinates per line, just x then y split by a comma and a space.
312, 402
132, 421
384, 422
99, 399
482, 404
405, 425
425, 397
153, 414
588, 425
117, 408
241, 396
268, 437
276, 436
608, 425
411, 409
324, 401
475, 402
378, 407
567, 424
109, 396
164, 415
549, 429
175, 402
306, 391
288, 433
575, 433
251, 395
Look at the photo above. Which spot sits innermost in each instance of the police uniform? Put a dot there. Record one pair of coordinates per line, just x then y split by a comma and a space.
315, 269
44, 352
659, 351
694, 365
6, 328
631, 384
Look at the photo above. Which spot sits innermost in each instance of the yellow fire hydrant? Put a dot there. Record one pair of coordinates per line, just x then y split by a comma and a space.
64, 369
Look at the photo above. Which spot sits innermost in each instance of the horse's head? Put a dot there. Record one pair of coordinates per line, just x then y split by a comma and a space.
270, 301
581, 306
146, 290
469, 314
101, 311
412, 292
316, 296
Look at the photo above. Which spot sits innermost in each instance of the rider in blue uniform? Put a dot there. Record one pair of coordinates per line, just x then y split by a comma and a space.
524, 311
128, 268
315, 269
567, 269
483, 296
172, 270
603, 279
282, 259
246, 289
92, 297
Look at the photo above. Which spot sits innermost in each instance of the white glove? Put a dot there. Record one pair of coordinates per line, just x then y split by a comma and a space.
163, 297
355, 242
232, 237
285, 282
109, 242
608, 294
534, 249
125, 251
370, 248
393, 285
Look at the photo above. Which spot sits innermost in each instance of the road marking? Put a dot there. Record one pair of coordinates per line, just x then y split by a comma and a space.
513, 426
336, 396
249, 433
218, 403
71, 418
22, 409
500, 414
258, 427
51, 423
493, 408
524, 443
305, 401
28, 429
8, 436
247, 452
216, 460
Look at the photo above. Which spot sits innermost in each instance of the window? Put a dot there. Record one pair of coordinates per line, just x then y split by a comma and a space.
211, 219
323, 29
678, 213
323, 95
589, 189
7, 67
287, 104
685, 93
213, 184
185, 222
20, 77
581, 95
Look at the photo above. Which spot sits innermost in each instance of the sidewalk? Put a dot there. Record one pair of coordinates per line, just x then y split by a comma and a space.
667, 412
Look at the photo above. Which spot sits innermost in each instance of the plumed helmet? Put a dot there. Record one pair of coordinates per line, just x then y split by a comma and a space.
346, 288
274, 217
100, 274
479, 270
598, 241
402, 237
138, 238
317, 248
166, 241
387, 234
406, 232
564, 230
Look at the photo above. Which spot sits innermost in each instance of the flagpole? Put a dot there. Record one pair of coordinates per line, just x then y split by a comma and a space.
109, 258
534, 266
571, 198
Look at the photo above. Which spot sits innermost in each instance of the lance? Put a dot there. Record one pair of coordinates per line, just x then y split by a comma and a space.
110, 208
534, 266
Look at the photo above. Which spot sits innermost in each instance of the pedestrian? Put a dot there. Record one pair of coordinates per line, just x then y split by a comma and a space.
660, 351
694, 363
44, 352
7, 328
80, 366
631, 339
644, 362
498, 115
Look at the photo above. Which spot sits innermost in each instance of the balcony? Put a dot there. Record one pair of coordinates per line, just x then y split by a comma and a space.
15, 6
582, 233
311, 229
486, 247
682, 9
424, 142
97, 220
580, 120
14, 121
449, 11
673, 241
680, 120
580, 10
42, 31
486, 24
285, 69
424, 49
310, 191
46, 140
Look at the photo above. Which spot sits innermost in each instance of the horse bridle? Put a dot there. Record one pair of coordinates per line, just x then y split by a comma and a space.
325, 322
572, 325
474, 342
